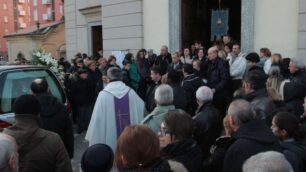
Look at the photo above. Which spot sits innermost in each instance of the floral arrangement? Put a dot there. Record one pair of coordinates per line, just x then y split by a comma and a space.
42, 58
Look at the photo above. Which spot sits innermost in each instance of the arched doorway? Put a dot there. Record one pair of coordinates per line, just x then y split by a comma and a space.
196, 20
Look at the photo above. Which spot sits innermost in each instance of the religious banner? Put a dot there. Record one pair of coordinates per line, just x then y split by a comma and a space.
219, 24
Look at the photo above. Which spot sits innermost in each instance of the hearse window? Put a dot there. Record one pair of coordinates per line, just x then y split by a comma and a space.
17, 83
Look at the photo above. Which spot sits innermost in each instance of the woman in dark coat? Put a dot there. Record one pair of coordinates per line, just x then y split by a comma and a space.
177, 142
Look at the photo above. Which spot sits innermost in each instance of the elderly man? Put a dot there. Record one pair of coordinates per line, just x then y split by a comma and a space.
237, 65
38, 149
267, 162
164, 99
208, 120
248, 143
116, 107
8, 154
295, 90
218, 79
163, 60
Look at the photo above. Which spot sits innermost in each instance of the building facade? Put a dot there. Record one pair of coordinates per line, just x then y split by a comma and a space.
46, 11
50, 38
16, 15
135, 24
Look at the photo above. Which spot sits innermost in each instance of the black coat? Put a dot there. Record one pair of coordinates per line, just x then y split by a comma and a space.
208, 123
256, 68
218, 151
93, 78
55, 117
178, 67
295, 92
126, 77
191, 83
251, 138
295, 152
218, 77
149, 99
179, 96
262, 104
81, 93
186, 152
143, 67
163, 62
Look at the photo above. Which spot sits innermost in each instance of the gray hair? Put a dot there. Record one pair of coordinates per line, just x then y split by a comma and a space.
8, 149
241, 111
165, 46
163, 95
298, 63
204, 94
270, 161
114, 74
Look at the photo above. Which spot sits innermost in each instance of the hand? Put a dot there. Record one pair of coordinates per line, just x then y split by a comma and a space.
213, 90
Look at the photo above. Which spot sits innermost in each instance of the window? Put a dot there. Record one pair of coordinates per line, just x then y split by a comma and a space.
15, 84
35, 3
61, 9
35, 15
5, 19
4, 6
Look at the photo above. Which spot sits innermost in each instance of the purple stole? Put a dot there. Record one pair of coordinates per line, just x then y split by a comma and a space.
122, 112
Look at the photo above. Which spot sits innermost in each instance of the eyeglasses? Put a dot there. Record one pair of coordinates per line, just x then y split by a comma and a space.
163, 132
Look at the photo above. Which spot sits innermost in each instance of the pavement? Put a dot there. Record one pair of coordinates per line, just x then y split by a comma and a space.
80, 145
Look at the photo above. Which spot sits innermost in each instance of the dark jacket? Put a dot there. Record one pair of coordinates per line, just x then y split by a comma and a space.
257, 68
143, 67
218, 77
93, 78
262, 104
295, 92
191, 83
295, 152
208, 123
126, 77
54, 117
251, 138
81, 92
150, 101
186, 152
38, 149
179, 96
163, 62
218, 151
178, 67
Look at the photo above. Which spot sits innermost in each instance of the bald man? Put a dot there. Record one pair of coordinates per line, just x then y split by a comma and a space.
248, 142
218, 79
8, 154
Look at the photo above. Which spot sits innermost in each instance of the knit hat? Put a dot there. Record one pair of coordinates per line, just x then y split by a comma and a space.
253, 57
26, 104
97, 158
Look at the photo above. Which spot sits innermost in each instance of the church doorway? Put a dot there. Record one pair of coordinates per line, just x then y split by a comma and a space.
196, 20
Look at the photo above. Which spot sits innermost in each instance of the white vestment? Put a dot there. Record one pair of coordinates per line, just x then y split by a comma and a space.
102, 127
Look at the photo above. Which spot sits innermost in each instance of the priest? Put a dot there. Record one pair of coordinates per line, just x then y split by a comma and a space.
116, 107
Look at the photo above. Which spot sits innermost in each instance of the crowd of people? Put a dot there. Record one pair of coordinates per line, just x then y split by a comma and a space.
200, 110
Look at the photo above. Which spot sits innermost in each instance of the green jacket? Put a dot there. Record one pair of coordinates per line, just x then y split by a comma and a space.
155, 118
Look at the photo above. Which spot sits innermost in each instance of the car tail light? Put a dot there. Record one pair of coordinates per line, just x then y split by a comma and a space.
69, 107
4, 124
